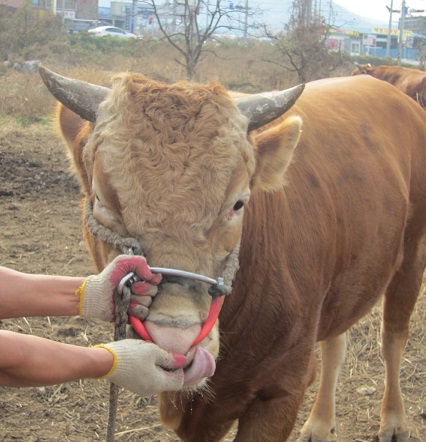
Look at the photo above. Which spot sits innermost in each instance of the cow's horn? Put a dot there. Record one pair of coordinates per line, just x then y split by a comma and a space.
261, 109
81, 97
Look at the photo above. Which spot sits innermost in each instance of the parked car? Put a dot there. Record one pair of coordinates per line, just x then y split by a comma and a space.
112, 31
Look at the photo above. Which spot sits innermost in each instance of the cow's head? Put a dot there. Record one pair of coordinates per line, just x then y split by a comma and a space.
362, 69
173, 166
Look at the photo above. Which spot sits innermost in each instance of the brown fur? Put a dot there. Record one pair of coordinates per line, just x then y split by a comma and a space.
410, 81
315, 255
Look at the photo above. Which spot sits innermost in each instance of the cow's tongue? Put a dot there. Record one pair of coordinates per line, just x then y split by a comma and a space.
203, 366
179, 341
174, 340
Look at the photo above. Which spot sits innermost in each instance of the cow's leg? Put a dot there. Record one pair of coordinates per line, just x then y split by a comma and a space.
322, 422
269, 420
398, 304
271, 415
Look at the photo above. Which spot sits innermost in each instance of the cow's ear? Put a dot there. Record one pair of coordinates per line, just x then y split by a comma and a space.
274, 151
75, 132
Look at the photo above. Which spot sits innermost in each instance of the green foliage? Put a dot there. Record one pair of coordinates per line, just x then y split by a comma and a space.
27, 35
42, 121
86, 43
24, 32
24, 122
374, 61
84, 47
420, 44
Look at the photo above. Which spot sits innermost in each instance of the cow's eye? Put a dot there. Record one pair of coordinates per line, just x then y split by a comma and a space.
238, 205
97, 199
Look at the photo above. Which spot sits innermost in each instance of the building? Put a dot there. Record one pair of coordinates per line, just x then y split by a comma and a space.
136, 16
373, 42
12, 3
77, 9
69, 9
415, 24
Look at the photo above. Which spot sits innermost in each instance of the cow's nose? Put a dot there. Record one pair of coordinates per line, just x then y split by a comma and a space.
173, 339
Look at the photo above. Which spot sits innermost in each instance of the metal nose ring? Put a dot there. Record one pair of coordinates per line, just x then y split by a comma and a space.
217, 289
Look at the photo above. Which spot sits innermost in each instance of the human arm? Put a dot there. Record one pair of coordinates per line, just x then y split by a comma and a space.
23, 294
27, 361
140, 367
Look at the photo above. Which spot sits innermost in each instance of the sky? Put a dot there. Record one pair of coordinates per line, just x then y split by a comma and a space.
376, 9
276, 12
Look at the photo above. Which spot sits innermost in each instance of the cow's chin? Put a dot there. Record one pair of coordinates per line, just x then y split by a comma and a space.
201, 358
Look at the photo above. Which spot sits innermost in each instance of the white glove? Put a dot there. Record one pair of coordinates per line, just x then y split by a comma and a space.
141, 367
97, 292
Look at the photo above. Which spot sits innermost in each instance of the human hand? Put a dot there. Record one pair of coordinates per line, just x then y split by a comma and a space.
144, 368
97, 292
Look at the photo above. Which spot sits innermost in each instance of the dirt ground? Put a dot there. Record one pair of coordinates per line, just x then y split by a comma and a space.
40, 232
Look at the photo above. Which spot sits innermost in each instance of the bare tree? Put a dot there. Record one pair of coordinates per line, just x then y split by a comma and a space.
301, 47
188, 24
420, 45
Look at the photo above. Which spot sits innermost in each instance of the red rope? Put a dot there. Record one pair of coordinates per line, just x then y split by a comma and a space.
214, 310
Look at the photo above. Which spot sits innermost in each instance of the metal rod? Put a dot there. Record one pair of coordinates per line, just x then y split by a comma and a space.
401, 34
123, 282
184, 274
174, 272
389, 39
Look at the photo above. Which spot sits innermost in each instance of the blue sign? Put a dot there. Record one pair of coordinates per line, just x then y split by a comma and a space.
128, 18
134, 10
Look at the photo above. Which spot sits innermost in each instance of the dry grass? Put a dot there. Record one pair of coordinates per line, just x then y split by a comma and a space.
24, 96
41, 233
361, 386
77, 412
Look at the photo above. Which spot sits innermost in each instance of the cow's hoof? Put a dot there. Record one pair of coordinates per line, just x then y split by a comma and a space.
309, 439
388, 437
313, 438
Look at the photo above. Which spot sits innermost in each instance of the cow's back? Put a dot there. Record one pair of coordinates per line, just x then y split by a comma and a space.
410, 81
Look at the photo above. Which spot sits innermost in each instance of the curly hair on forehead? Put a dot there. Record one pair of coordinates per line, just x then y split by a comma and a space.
173, 118
160, 144
161, 114
138, 83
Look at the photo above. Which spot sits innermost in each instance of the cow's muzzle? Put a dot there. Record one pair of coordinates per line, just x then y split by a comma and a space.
216, 290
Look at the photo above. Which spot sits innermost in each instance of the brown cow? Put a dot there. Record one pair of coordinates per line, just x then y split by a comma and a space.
173, 167
410, 81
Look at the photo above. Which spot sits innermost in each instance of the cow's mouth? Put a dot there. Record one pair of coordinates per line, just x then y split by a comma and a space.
177, 337
206, 328
198, 366
202, 366
199, 362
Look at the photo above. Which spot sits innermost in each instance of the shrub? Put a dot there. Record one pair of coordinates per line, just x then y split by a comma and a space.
25, 32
